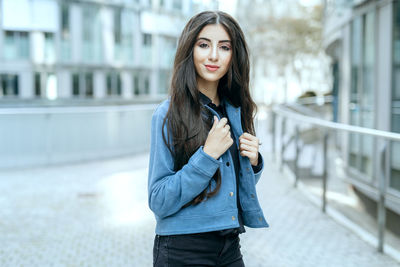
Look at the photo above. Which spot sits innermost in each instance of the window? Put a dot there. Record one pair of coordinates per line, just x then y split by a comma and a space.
146, 56
177, 4
367, 93
362, 91
91, 31
168, 52
65, 51
146, 85
395, 146
163, 80
147, 39
114, 85
9, 85
136, 90
38, 85
88, 84
141, 83
45, 85
16, 45
75, 84
355, 84
123, 21
65, 31
49, 47
117, 26
82, 84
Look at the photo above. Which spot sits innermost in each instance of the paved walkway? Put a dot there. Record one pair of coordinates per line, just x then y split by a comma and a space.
95, 214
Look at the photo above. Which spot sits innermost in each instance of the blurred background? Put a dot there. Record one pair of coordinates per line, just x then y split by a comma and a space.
80, 79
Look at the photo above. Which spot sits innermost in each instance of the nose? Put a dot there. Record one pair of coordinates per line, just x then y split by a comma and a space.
213, 53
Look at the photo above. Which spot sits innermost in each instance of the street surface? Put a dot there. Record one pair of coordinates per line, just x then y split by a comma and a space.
96, 214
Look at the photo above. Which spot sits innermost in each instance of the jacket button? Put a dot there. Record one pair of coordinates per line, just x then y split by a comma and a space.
227, 164
252, 196
233, 218
231, 194
247, 169
260, 219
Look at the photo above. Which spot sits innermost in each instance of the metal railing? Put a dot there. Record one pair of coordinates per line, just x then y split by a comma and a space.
386, 137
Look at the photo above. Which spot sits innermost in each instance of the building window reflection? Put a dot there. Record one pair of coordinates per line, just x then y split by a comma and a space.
136, 90
92, 39
146, 85
362, 92
395, 146
141, 83
146, 48
38, 85
114, 85
9, 85
123, 35
177, 4
164, 77
82, 84
75, 84
45, 85
168, 52
356, 36
49, 48
65, 34
16, 45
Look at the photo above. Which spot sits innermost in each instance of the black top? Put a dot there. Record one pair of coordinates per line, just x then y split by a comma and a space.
236, 164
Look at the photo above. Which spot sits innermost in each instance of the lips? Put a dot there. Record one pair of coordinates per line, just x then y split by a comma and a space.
212, 67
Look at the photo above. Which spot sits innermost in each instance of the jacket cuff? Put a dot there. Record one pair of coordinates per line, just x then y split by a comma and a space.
260, 164
204, 163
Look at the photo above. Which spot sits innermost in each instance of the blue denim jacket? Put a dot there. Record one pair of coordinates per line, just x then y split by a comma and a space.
170, 190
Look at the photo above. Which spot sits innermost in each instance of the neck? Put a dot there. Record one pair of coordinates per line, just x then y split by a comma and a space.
210, 89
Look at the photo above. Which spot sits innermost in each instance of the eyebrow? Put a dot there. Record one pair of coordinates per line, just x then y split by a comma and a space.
221, 41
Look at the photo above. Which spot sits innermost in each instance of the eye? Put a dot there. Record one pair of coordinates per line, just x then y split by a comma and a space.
203, 45
225, 47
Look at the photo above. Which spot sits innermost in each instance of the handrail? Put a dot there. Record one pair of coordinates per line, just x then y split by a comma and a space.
319, 100
304, 110
382, 175
335, 125
74, 109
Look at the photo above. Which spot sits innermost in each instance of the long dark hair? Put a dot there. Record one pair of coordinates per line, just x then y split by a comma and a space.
188, 121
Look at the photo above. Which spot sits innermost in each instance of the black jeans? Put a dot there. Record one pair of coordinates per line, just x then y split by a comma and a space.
203, 249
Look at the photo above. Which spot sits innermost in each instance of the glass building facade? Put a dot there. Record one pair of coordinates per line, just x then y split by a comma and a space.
395, 105
363, 40
362, 109
89, 49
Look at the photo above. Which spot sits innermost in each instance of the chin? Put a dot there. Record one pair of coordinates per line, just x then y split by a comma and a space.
211, 78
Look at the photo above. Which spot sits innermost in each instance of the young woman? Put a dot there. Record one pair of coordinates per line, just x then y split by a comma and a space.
204, 158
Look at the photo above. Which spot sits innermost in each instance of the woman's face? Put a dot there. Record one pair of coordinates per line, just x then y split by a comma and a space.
212, 53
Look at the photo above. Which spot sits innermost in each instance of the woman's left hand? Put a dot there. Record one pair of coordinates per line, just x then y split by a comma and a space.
248, 147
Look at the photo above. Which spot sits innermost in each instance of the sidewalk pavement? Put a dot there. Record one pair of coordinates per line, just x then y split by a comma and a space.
96, 214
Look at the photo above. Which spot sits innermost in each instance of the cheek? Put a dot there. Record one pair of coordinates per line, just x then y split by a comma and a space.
199, 55
226, 59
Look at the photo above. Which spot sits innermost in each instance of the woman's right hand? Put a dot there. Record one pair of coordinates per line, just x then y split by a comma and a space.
219, 138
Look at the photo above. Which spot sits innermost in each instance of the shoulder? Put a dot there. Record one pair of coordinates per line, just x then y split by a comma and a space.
162, 109
157, 120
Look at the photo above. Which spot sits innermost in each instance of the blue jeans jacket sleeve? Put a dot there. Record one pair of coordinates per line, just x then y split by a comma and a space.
169, 190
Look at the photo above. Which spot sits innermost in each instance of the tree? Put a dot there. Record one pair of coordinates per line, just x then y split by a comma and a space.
282, 35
